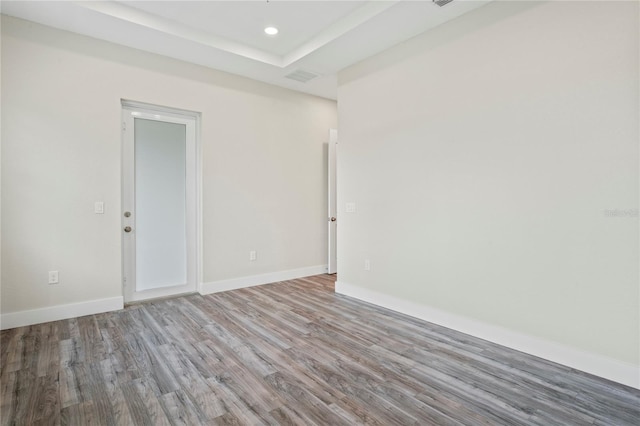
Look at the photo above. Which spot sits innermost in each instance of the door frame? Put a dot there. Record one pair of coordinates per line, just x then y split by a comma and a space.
191, 119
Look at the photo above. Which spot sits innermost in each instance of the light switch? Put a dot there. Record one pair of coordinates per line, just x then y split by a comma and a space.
98, 207
252, 255
350, 208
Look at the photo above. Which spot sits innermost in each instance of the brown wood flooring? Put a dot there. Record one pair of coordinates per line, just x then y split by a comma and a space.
286, 353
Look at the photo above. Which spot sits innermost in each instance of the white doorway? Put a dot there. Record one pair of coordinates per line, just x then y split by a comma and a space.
159, 204
332, 263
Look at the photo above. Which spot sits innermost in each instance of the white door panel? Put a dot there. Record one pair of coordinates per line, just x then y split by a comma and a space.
332, 265
159, 204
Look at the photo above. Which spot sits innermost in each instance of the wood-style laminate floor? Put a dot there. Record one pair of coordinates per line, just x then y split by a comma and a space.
286, 353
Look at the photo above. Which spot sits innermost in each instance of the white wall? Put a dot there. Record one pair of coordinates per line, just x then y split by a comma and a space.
263, 156
483, 158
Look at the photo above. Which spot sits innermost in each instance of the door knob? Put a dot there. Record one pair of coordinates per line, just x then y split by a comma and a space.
333, 219
127, 214
127, 229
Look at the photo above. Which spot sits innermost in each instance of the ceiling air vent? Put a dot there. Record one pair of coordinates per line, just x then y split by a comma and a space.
442, 2
302, 76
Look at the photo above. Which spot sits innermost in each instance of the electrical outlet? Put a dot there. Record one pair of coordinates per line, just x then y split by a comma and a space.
367, 265
252, 255
53, 277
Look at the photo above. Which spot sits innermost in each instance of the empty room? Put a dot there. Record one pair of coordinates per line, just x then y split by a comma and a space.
320, 212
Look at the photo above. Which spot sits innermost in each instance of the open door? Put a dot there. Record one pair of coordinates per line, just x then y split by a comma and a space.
332, 266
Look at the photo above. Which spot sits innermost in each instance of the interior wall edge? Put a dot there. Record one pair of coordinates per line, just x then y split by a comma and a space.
609, 368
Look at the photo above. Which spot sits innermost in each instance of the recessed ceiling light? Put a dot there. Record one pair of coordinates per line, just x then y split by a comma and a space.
271, 30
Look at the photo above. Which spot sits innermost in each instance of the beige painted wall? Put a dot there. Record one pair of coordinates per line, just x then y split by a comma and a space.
483, 158
263, 154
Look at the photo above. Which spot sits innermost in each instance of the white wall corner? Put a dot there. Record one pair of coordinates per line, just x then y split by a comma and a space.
598, 365
60, 312
254, 280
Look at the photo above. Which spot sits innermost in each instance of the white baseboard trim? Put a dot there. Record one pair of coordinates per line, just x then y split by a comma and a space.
608, 368
253, 280
60, 312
